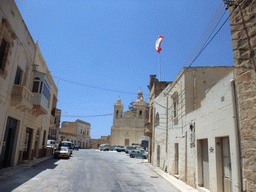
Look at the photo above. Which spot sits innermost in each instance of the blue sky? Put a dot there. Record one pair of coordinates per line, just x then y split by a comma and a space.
92, 46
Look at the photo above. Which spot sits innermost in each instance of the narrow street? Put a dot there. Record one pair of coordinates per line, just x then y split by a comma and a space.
89, 170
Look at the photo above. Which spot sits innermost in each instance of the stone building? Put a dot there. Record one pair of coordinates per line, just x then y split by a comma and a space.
77, 132
190, 117
243, 32
95, 143
54, 126
28, 93
155, 87
129, 127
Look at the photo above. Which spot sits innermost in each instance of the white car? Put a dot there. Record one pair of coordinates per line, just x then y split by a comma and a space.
63, 152
104, 147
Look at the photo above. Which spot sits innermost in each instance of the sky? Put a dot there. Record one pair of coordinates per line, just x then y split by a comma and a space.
99, 50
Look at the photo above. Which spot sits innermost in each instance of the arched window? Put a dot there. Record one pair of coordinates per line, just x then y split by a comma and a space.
117, 112
37, 85
140, 114
157, 119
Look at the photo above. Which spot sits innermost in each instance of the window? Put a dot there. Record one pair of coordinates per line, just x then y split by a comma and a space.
46, 90
36, 85
140, 114
157, 119
3, 53
175, 106
117, 113
17, 79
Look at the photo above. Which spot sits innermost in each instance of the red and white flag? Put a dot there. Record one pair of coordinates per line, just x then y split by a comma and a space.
158, 43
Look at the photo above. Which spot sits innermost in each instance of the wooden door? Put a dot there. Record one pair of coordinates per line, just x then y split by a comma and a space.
27, 144
8, 143
226, 163
176, 159
205, 161
158, 156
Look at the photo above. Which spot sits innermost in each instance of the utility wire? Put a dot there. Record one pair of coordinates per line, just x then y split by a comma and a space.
82, 116
211, 39
207, 33
95, 87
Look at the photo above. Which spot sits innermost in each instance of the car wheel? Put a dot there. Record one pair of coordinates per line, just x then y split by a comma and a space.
131, 156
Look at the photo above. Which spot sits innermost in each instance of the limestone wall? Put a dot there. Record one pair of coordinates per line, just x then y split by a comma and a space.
243, 31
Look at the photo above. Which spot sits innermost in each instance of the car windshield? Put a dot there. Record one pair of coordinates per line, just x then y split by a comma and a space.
63, 148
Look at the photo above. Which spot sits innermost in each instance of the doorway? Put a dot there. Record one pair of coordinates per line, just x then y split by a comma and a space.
126, 142
203, 164
8, 143
158, 155
176, 159
27, 144
224, 171
36, 144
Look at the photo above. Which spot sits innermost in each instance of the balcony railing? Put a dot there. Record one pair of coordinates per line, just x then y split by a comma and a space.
21, 98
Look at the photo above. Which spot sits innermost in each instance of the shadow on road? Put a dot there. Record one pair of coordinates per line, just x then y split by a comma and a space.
9, 183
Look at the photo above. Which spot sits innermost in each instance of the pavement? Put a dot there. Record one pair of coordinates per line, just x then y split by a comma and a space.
171, 179
10, 171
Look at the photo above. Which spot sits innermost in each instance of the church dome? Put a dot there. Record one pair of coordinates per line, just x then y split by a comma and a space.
118, 100
140, 92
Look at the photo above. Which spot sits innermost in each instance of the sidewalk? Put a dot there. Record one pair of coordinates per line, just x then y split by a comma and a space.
10, 171
183, 187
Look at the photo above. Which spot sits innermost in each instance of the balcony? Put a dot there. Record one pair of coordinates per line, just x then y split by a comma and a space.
37, 110
41, 94
21, 98
148, 130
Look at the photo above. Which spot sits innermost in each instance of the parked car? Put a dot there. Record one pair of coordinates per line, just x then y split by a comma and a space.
128, 149
66, 144
145, 155
62, 152
51, 143
120, 148
137, 153
112, 148
75, 147
104, 147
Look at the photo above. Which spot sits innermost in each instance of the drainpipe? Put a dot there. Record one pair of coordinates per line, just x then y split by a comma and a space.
237, 134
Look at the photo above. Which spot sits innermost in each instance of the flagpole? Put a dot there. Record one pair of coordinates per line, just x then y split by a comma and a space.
159, 68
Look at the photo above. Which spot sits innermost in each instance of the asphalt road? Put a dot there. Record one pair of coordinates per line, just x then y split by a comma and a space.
89, 170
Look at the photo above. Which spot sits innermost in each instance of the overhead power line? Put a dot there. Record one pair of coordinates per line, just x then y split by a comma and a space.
210, 39
207, 34
83, 116
95, 87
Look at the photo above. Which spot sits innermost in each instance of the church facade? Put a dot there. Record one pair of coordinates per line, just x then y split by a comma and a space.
129, 127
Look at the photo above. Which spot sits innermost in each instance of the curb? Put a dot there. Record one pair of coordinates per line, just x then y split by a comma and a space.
180, 185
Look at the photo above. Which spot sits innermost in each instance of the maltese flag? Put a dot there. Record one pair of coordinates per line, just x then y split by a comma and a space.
158, 43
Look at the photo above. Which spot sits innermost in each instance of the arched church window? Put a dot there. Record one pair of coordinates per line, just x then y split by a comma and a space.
140, 114
157, 119
117, 112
